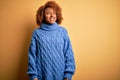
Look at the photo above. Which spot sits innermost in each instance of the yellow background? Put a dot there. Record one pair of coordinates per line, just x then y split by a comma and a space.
93, 27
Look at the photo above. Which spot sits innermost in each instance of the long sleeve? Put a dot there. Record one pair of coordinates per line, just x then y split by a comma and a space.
69, 58
32, 70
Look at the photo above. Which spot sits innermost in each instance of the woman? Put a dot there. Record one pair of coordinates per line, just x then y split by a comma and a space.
50, 53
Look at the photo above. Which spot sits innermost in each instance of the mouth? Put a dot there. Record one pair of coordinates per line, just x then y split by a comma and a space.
52, 19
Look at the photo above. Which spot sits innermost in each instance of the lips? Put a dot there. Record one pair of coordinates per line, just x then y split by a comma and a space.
52, 19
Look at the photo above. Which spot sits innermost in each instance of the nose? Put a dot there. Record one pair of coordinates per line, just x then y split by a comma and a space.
52, 15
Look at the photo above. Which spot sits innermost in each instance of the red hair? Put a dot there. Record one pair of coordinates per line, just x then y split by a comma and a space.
41, 11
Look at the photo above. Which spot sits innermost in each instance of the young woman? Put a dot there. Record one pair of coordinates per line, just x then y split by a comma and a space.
50, 53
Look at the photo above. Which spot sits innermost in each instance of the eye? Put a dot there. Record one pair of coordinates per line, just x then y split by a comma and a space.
47, 13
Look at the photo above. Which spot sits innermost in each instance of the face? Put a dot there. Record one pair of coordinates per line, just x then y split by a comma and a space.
50, 15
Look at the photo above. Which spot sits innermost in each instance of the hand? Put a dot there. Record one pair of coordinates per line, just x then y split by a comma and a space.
66, 79
35, 78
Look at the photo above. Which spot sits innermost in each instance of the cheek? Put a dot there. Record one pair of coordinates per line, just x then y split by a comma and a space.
47, 16
56, 16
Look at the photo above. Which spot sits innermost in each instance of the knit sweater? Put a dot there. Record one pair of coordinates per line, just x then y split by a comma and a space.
50, 54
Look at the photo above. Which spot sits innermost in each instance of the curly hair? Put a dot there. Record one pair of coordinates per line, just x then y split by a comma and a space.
41, 10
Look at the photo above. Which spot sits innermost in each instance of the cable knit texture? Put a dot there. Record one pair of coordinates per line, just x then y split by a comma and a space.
50, 54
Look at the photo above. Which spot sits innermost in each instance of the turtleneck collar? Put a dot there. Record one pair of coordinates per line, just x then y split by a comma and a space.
49, 27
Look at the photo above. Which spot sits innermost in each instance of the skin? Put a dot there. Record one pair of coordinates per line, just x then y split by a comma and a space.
50, 18
65, 79
37, 79
50, 15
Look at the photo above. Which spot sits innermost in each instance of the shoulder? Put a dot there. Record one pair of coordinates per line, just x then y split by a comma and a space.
63, 29
36, 32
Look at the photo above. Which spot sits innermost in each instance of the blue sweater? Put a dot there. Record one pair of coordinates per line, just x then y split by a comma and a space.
50, 54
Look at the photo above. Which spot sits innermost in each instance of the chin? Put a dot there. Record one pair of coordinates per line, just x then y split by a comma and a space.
51, 22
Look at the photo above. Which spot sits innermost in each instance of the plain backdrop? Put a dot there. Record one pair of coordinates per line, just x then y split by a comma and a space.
93, 27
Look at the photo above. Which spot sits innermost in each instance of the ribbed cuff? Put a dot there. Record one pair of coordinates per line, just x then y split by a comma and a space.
68, 75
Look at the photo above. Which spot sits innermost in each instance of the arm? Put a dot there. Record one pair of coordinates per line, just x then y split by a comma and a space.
69, 58
32, 71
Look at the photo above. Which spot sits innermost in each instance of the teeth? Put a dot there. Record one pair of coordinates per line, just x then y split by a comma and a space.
51, 18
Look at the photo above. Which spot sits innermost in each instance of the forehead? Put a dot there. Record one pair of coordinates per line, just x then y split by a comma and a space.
49, 9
